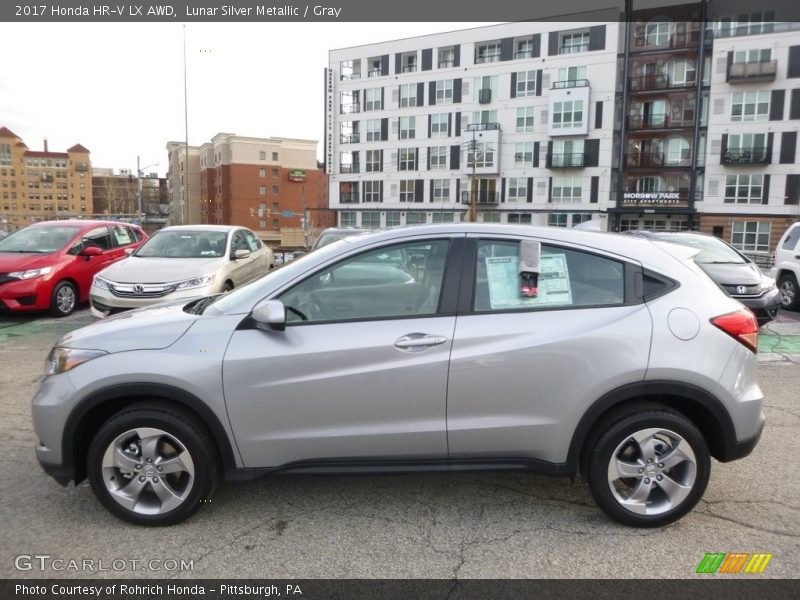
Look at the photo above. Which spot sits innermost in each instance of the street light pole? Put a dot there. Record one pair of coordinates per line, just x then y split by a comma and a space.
472, 214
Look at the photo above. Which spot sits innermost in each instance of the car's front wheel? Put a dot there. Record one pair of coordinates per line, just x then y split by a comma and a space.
790, 295
64, 299
152, 464
649, 468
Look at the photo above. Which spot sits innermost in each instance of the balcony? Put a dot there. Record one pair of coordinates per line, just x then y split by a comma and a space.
569, 83
745, 156
483, 127
346, 109
747, 72
573, 48
658, 121
484, 96
447, 63
375, 73
349, 168
350, 198
675, 40
483, 197
352, 138
409, 68
350, 76
487, 58
573, 160
649, 83
646, 160
523, 54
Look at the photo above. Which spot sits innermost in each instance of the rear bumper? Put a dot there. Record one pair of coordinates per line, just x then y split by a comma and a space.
742, 448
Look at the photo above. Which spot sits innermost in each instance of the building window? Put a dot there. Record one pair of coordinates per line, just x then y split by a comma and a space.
747, 24
408, 62
519, 218
438, 156
567, 153
744, 189
415, 218
276, 189
444, 91
374, 160
393, 219
525, 119
408, 159
751, 236
408, 95
374, 100
557, 219
523, 47
750, 106
350, 69
262, 172
752, 56
373, 130
441, 190
517, 189
657, 34
578, 218
375, 64
480, 154
485, 89
370, 220
571, 75
347, 218
678, 151
408, 128
262, 223
276, 172
567, 114
526, 83
439, 125
442, 217
487, 52
407, 187
570, 43
372, 192
490, 217
447, 57
744, 147
482, 117
262, 190
566, 189
261, 156
523, 154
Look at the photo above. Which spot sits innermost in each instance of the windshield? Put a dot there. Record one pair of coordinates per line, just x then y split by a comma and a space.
40, 240
712, 250
184, 244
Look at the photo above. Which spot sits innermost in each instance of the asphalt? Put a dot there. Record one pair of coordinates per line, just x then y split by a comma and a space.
488, 525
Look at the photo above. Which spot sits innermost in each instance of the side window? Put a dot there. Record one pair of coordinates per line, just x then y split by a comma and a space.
404, 280
568, 278
253, 243
135, 234
791, 240
239, 243
99, 237
122, 235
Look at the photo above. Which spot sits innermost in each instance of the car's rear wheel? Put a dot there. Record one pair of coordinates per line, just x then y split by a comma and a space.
152, 464
790, 294
649, 468
63, 299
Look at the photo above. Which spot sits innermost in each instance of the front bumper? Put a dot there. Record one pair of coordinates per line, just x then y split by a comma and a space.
103, 303
25, 294
50, 408
765, 306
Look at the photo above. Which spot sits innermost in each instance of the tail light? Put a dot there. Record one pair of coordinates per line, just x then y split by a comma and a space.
740, 325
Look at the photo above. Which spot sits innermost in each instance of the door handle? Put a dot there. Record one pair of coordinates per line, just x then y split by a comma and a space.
419, 341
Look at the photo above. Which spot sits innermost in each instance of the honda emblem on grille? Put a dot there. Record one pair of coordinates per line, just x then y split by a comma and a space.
138, 289
740, 289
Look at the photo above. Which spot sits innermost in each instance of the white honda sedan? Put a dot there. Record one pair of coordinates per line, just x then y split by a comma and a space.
181, 262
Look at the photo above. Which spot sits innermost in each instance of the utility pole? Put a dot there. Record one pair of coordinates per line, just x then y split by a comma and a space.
138, 188
472, 214
185, 190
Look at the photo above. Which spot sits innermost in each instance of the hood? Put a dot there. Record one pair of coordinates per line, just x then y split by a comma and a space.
14, 261
724, 274
160, 270
144, 329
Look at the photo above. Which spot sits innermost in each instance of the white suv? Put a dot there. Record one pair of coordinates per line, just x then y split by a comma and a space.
787, 267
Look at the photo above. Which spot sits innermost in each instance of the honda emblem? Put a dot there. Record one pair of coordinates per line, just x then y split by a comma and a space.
740, 289
138, 289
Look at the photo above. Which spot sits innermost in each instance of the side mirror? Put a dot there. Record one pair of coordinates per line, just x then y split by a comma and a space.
270, 315
129, 251
91, 251
237, 254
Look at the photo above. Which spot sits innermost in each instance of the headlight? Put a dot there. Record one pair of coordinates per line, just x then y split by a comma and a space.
100, 283
30, 273
767, 284
61, 360
196, 282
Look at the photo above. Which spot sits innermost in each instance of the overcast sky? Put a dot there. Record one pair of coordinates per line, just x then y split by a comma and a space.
118, 88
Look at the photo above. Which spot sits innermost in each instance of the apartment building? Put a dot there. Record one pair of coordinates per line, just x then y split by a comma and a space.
679, 117
121, 194
183, 183
514, 117
42, 185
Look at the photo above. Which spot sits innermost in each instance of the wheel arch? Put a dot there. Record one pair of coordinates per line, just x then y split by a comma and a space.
89, 415
696, 404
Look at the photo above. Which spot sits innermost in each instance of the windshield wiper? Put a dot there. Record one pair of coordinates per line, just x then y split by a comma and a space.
198, 307
724, 262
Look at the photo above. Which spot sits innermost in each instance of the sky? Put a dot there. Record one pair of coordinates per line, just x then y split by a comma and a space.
118, 88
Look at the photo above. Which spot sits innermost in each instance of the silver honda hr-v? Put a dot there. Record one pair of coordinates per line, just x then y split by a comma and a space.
432, 347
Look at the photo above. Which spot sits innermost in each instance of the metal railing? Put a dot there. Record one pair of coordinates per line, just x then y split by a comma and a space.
647, 83
569, 83
482, 127
409, 68
346, 109
561, 160
349, 168
488, 58
375, 73
745, 156
523, 53
646, 159
352, 138
484, 96
444, 64
657, 121
351, 198
483, 197
753, 71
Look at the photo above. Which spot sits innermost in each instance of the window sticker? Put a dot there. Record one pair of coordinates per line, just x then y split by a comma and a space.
504, 284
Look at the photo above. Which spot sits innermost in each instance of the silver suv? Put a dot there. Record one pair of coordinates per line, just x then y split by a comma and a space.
433, 347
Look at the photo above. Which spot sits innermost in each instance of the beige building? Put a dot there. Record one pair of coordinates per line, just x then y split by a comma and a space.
42, 185
183, 194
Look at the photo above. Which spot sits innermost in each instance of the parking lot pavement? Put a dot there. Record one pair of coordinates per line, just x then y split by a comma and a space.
493, 525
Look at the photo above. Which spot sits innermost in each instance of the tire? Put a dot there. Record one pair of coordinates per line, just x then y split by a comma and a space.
145, 437
64, 299
674, 461
790, 293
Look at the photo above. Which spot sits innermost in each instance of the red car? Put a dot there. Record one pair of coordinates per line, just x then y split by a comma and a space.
50, 265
